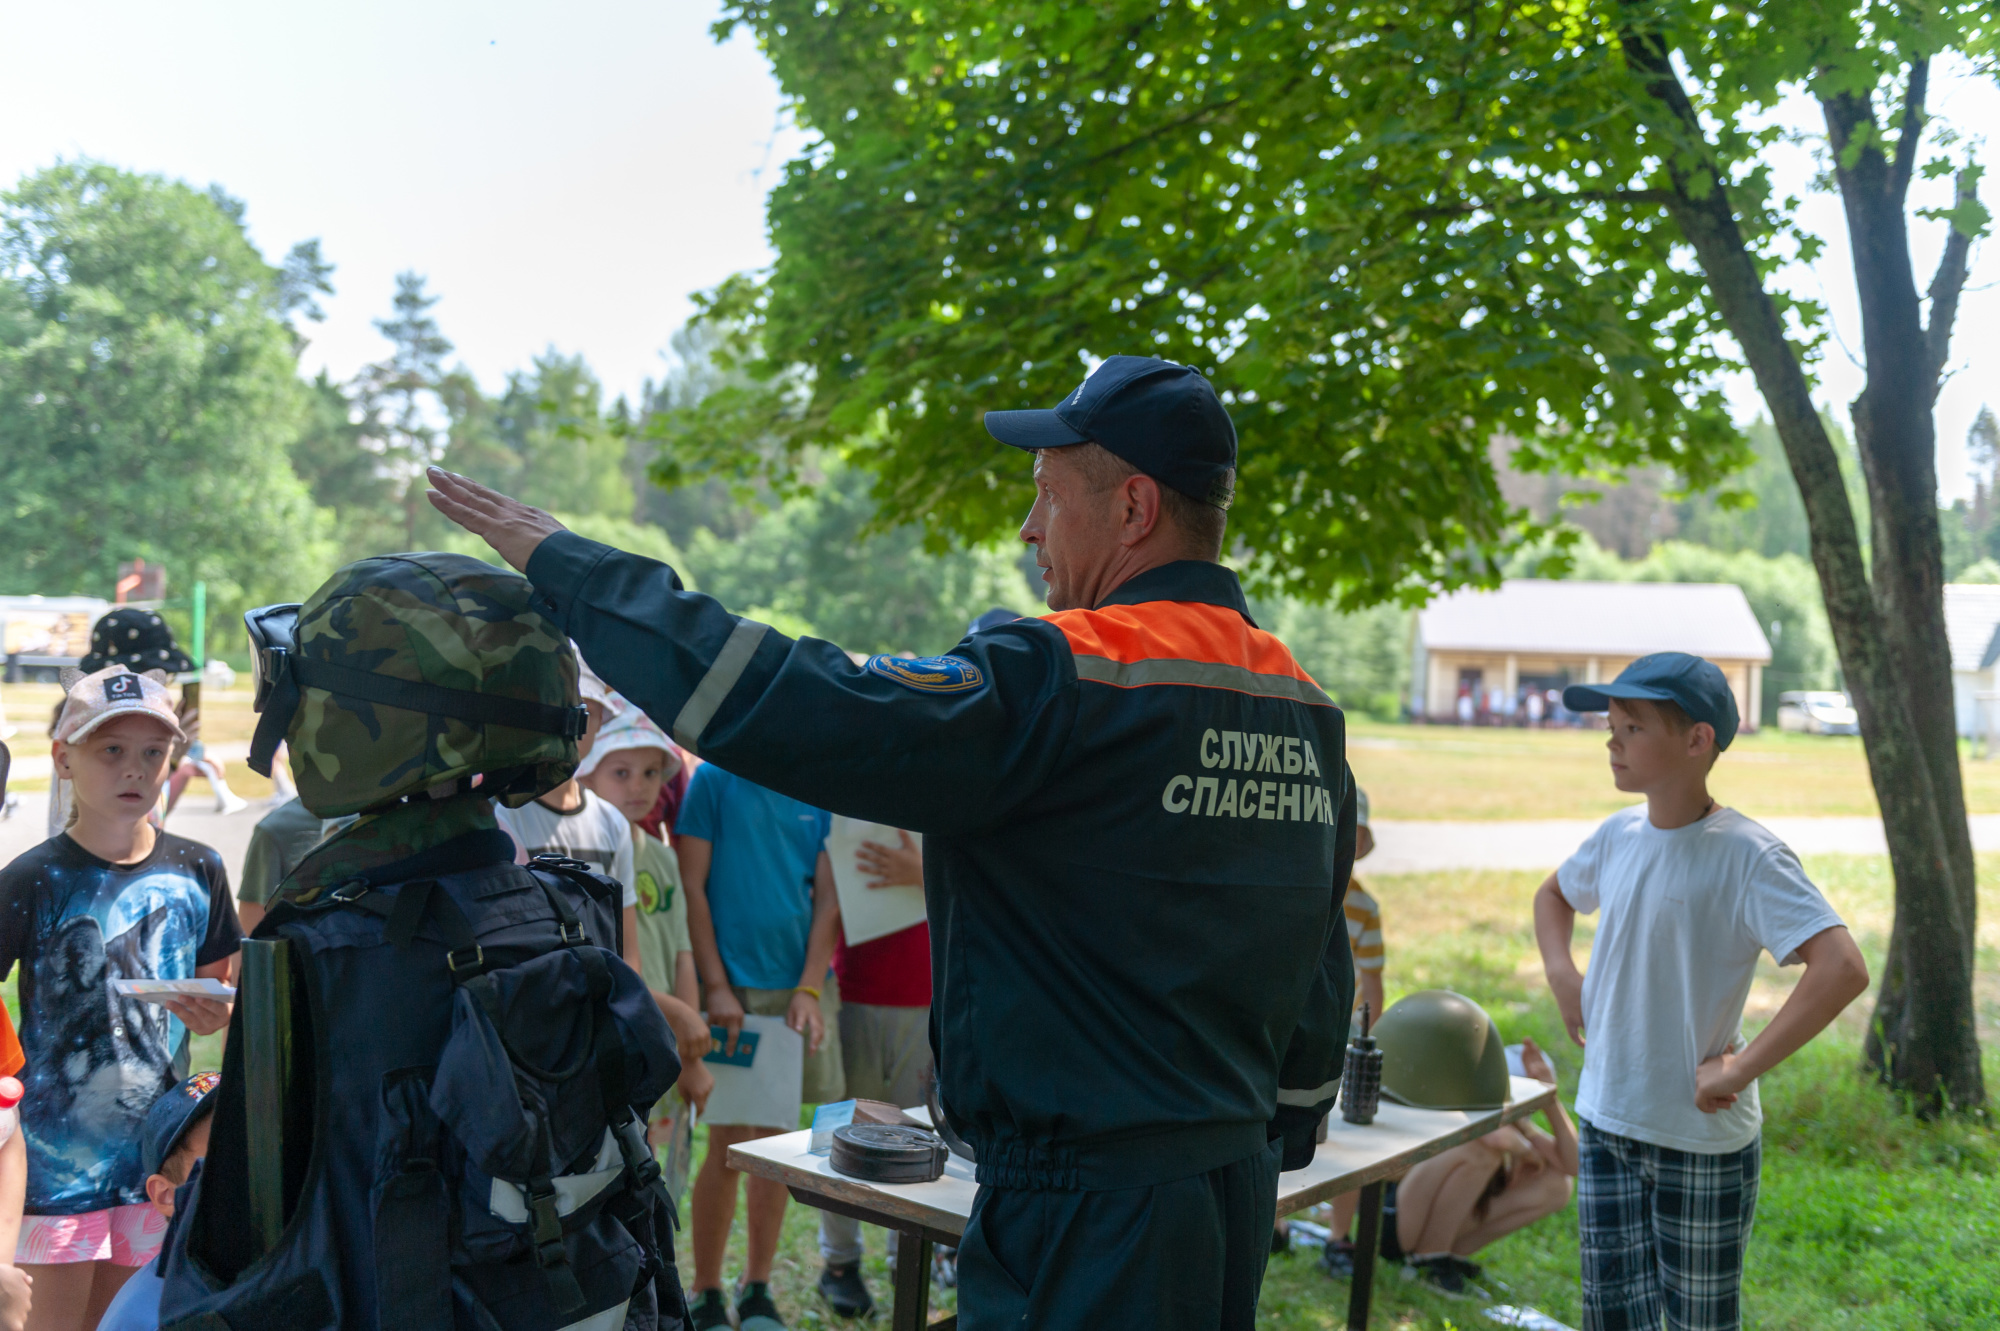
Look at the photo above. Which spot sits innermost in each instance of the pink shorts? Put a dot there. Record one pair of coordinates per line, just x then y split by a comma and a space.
123, 1235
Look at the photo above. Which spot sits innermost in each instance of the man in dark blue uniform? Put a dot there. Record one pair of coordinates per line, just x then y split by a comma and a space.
1138, 819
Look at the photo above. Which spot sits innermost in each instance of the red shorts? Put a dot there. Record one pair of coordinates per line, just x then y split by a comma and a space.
123, 1235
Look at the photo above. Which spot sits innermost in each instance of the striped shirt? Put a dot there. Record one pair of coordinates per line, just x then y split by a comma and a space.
1364, 927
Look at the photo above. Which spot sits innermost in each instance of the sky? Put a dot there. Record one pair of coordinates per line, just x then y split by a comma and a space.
567, 176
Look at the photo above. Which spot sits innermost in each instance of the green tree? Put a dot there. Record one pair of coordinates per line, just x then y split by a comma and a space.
1394, 229
400, 399
348, 479
568, 455
148, 393
816, 564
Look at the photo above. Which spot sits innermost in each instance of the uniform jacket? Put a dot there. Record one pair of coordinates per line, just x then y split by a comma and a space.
1137, 823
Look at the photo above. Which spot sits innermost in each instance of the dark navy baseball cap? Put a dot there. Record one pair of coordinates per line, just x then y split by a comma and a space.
1695, 685
1163, 418
168, 1121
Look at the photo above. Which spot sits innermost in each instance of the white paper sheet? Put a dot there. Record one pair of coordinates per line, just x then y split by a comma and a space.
767, 1094
150, 989
869, 912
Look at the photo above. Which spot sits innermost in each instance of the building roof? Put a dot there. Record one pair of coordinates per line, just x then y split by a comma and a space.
1541, 617
1971, 614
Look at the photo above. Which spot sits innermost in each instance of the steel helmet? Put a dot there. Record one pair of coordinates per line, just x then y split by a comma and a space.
407, 672
1441, 1051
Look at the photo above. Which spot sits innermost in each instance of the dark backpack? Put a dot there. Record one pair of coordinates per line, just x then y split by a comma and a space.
465, 1143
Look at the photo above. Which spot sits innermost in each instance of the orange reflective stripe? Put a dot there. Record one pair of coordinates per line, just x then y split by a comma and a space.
1176, 631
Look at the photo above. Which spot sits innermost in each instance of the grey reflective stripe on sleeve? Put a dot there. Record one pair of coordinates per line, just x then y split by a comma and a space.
729, 665
1200, 674
1319, 1095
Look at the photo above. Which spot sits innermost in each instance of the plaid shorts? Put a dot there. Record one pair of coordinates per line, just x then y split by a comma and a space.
1663, 1234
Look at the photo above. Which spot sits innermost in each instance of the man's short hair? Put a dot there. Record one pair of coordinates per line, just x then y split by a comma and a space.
1201, 524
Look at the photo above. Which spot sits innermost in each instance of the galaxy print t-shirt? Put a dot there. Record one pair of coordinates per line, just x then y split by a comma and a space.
97, 1061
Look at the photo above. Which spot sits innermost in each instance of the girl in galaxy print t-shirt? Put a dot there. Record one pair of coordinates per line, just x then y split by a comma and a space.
111, 898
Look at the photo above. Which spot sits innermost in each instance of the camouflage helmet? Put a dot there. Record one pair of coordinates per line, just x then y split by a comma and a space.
1441, 1051
407, 672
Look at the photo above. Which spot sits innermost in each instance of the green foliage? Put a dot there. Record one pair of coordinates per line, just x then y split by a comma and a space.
810, 566
1391, 231
148, 393
546, 440
1361, 659
400, 399
1761, 510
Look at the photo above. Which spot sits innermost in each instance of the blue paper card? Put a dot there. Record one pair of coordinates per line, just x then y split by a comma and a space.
825, 1119
746, 1048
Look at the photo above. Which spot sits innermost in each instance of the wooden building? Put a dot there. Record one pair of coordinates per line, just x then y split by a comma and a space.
1479, 655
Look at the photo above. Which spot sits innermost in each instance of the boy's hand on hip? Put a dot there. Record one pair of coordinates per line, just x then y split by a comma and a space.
1717, 1083
1568, 991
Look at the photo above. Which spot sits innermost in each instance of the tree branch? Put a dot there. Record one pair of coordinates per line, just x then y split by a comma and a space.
1946, 286
1912, 130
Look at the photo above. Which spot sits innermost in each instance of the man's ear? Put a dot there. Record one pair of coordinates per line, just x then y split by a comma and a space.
160, 1192
1142, 508
1696, 733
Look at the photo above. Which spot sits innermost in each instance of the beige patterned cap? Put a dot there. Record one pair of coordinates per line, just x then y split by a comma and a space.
112, 692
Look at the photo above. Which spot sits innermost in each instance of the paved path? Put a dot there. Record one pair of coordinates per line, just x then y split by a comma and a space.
195, 819
1400, 847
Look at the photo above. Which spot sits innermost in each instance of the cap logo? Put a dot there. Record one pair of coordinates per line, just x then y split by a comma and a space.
201, 1083
123, 686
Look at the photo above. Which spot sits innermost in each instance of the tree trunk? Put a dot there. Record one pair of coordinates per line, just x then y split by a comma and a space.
1923, 1036
1890, 636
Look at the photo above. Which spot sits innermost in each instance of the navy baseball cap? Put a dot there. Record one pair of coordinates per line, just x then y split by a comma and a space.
993, 618
168, 1121
1163, 418
1697, 686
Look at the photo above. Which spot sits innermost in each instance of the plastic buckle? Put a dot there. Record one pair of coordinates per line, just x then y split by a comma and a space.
349, 892
478, 961
576, 939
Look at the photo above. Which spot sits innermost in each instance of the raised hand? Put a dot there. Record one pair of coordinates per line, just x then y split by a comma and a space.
511, 527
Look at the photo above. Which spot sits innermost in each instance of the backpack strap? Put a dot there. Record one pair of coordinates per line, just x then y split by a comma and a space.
405, 911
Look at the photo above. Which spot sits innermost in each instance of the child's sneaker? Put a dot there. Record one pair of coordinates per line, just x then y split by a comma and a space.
1337, 1259
844, 1290
754, 1309
710, 1310
1446, 1274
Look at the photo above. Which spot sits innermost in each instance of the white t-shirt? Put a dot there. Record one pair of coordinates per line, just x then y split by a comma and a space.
1685, 914
594, 832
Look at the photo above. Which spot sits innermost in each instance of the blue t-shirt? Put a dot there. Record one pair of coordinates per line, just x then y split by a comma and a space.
760, 883
98, 1059
136, 1306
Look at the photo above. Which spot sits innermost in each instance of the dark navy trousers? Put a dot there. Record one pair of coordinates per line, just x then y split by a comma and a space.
1187, 1255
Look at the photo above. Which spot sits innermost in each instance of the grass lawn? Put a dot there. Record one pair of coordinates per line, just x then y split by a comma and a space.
1408, 771
1473, 773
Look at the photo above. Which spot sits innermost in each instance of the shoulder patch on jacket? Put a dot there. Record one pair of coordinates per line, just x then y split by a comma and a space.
930, 674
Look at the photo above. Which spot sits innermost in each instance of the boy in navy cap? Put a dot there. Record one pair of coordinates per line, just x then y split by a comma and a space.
1690, 894
173, 1136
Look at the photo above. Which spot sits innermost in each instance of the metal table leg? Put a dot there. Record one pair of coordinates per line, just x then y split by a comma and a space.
913, 1282
1367, 1247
